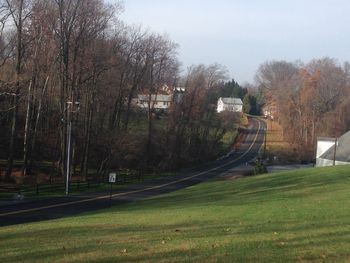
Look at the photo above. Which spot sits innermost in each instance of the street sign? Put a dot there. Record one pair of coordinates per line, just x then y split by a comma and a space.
112, 177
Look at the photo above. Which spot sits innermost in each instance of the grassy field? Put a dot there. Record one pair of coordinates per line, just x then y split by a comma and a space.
228, 139
296, 216
231, 135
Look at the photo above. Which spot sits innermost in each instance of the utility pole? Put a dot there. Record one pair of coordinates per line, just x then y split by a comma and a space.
70, 111
265, 137
69, 135
335, 150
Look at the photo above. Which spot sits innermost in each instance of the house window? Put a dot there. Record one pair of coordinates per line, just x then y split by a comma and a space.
165, 103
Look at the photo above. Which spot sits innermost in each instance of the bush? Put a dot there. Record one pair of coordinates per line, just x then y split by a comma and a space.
260, 168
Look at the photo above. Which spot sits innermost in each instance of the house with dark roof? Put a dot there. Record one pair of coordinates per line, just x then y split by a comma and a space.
230, 104
333, 151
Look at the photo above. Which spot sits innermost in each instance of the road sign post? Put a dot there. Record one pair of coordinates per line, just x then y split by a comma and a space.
112, 180
335, 150
265, 139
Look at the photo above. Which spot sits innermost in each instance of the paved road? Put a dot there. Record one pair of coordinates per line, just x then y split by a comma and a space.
53, 208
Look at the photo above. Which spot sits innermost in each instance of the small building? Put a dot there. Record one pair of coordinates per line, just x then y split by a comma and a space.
332, 151
157, 101
230, 104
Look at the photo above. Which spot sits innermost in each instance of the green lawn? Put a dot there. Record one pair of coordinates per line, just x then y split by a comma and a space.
228, 139
297, 216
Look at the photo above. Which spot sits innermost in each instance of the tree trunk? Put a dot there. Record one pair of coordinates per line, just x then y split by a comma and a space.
37, 120
84, 167
13, 136
27, 130
12, 146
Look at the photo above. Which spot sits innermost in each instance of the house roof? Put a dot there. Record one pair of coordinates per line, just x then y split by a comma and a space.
342, 151
155, 97
325, 139
235, 101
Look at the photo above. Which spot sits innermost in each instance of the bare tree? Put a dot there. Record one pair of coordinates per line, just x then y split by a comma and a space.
19, 11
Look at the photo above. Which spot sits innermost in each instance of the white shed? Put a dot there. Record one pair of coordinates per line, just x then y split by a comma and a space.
230, 104
332, 151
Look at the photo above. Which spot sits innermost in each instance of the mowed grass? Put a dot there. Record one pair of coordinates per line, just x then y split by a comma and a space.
296, 216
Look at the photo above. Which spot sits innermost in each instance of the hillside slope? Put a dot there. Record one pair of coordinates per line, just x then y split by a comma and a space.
296, 216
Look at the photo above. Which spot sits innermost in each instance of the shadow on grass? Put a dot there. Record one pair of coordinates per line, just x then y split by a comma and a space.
250, 243
253, 241
284, 186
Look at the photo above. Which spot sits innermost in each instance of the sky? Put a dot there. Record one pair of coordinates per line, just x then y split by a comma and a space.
243, 34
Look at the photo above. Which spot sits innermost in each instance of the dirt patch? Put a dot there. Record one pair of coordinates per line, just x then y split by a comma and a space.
231, 177
239, 173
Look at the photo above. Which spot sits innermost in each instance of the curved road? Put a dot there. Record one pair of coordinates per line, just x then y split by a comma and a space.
52, 208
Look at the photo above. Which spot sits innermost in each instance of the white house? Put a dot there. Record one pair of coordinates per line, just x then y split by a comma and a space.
332, 151
158, 102
230, 104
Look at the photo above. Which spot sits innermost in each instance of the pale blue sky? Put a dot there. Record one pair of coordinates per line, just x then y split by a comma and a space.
242, 34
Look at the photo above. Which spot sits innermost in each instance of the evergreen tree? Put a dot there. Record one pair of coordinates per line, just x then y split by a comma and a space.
246, 104
250, 105
233, 89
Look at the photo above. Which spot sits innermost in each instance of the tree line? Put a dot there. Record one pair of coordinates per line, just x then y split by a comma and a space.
69, 70
310, 99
